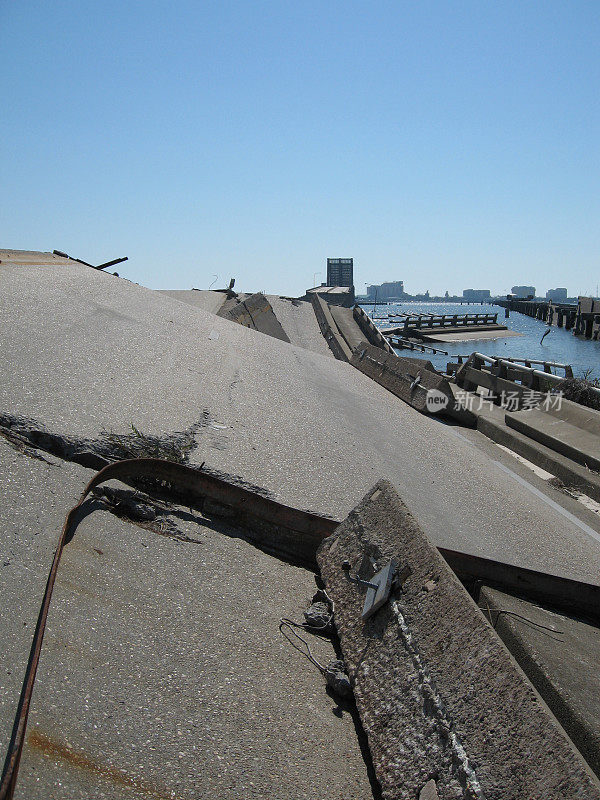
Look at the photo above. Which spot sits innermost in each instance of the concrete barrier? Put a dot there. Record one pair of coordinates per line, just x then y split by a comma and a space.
419, 363
566, 674
403, 377
372, 334
587, 419
568, 428
347, 326
439, 696
257, 313
329, 329
410, 381
572, 474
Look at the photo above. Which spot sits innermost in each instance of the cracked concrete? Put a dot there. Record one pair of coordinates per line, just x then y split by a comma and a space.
163, 673
33, 438
438, 693
312, 431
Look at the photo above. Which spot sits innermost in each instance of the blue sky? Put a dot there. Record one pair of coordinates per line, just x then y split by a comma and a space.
446, 144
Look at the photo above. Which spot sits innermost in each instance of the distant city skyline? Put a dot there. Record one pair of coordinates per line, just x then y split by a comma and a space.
539, 292
449, 145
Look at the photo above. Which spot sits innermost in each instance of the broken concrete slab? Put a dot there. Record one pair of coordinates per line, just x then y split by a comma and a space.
409, 380
588, 419
28, 257
329, 329
163, 673
371, 332
439, 695
560, 656
404, 378
348, 327
256, 312
492, 423
298, 320
311, 431
36, 492
575, 434
419, 363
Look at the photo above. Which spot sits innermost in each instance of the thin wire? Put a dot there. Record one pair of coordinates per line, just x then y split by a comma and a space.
288, 623
521, 617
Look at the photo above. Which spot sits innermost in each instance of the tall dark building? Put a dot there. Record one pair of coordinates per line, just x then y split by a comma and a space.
340, 272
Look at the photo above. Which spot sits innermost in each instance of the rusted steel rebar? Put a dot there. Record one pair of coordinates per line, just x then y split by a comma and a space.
189, 480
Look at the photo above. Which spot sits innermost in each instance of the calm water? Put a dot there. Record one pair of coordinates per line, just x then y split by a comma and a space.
559, 345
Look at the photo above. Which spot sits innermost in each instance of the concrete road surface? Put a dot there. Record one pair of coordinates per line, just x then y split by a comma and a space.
85, 352
163, 673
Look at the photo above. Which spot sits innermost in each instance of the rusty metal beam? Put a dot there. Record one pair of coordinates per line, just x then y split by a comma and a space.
112, 263
192, 481
302, 531
85, 263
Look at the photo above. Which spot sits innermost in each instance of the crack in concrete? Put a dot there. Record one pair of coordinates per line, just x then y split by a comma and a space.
28, 436
434, 708
145, 512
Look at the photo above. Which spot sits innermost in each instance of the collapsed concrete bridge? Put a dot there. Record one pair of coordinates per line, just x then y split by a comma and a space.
162, 672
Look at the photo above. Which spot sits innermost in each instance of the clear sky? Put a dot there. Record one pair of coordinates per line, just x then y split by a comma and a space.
448, 144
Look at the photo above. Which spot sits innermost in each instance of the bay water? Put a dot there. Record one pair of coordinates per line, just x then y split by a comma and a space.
559, 345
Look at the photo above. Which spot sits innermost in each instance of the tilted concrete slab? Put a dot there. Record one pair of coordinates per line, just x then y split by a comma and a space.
29, 257
491, 422
577, 443
207, 300
348, 326
419, 363
298, 320
560, 656
439, 695
405, 378
85, 352
338, 345
256, 312
163, 673
35, 497
371, 332
587, 419
410, 380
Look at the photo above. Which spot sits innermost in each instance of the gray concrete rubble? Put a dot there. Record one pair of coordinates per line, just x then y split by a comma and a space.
492, 422
406, 379
572, 430
371, 332
163, 673
329, 328
312, 431
348, 327
560, 656
439, 695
